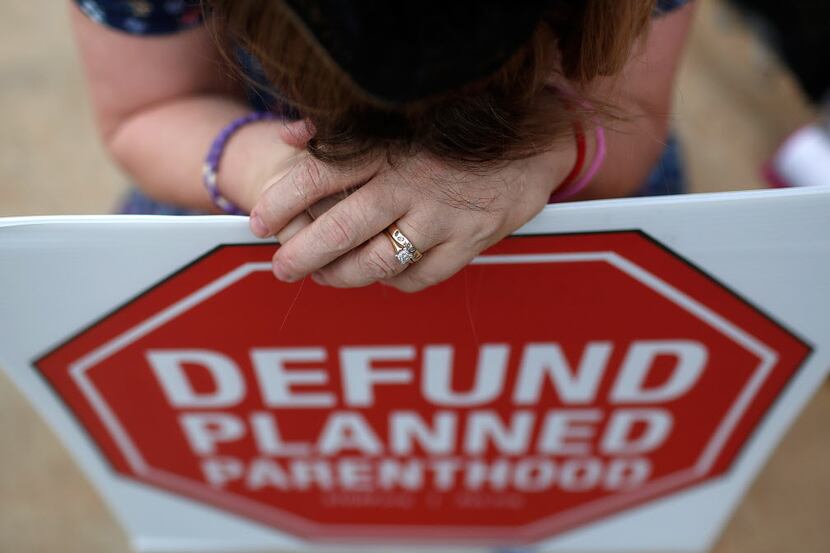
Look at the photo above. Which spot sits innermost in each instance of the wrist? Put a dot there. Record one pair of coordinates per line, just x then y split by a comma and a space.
558, 165
590, 155
252, 155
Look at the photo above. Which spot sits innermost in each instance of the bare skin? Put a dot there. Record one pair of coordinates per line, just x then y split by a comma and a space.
161, 101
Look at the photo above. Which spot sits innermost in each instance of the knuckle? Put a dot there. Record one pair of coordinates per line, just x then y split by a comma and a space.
335, 232
288, 261
485, 234
434, 230
427, 280
415, 282
310, 181
265, 209
378, 266
331, 277
403, 285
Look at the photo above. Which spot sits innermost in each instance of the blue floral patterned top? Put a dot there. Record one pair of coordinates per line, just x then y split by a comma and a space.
144, 17
158, 17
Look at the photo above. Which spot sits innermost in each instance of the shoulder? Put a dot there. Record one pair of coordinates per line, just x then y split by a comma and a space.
144, 17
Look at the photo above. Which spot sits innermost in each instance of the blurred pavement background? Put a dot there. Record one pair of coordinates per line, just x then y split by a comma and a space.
734, 105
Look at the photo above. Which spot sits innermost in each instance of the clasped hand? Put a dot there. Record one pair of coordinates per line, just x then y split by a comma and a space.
448, 213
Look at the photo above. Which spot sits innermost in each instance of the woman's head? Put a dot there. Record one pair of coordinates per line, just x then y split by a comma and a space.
424, 77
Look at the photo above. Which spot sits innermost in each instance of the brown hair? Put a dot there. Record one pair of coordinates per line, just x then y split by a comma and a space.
509, 114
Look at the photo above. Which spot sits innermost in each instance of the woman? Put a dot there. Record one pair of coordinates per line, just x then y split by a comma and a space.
450, 124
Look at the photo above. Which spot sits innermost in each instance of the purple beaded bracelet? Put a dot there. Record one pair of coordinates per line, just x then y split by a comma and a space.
211, 167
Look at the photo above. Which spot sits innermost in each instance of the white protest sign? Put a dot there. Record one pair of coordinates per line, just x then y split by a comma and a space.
611, 378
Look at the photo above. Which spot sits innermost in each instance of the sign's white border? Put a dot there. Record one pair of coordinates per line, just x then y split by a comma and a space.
772, 246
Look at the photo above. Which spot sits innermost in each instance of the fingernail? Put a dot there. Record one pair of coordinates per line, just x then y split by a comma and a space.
258, 227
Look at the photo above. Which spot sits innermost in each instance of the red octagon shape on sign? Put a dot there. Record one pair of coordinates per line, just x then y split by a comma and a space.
556, 380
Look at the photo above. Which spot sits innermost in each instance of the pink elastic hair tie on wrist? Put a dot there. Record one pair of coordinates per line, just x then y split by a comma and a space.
578, 185
573, 188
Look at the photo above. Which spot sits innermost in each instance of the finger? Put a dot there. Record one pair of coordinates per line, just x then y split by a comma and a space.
438, 265
324, 205
304, 219
375, 260
293, 227
348, 224
307, 182
296, 133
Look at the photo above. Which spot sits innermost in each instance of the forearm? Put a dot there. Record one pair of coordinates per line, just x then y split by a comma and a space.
163, 147
642, 95
633, 147
160, 102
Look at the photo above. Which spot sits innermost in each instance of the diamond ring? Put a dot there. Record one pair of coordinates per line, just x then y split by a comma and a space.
405, 251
